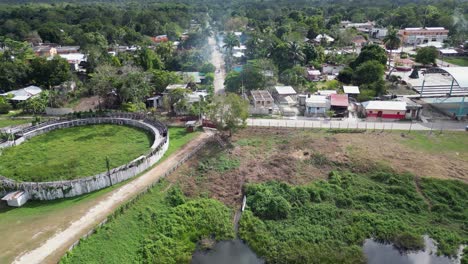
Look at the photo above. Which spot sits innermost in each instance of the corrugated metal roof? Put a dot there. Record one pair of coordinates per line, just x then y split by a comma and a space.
339, 99
285, 90
460, 74
385, 105
351, 89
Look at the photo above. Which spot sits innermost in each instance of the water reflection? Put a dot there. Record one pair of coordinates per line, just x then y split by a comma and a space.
378, 253
227, 252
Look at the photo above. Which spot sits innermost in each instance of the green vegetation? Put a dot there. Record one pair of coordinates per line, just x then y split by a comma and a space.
5, 122
460, 61
160, 227
327, 221
73, 152
40, 213
447, 142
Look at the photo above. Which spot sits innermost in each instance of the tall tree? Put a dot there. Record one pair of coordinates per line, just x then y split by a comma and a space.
229, 112
295, 53
231, 41
392, 42
427, 55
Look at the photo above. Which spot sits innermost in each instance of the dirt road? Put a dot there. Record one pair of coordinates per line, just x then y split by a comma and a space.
54, 248
218, 62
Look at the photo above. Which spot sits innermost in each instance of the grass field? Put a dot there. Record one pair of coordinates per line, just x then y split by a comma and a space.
39, 220
73, 152
5, 122
463, 61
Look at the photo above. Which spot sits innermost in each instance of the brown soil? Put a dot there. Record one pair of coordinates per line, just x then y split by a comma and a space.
298, 157
86, 104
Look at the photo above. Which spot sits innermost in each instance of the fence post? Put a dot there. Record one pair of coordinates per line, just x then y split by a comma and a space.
432, 126
411, 125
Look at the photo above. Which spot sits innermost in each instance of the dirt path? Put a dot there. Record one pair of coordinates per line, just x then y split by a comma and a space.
218, 62
55, 247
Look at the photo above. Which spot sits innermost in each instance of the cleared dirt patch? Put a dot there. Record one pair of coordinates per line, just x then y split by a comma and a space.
300, 156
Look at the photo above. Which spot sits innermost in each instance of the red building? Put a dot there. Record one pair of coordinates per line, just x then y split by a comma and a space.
384, 110
160, 39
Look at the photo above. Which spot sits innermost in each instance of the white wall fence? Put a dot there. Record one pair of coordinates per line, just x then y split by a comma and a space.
58, 111
70, 188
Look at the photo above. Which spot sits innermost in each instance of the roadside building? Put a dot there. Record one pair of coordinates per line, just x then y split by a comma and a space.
384, 110
285, 94
262, 102
16, 199
316, 105
191, 77
262, 99
419, 35
413, 110
449, 53
339, 103
172, 87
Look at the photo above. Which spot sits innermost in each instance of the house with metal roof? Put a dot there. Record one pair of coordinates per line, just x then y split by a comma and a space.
316, 105
339, 103
384, 110
23, 94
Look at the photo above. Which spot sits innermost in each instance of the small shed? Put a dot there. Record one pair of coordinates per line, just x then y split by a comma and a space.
190, 125
351, 90
16, 199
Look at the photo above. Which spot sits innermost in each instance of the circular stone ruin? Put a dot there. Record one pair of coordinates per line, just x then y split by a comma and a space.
61, 189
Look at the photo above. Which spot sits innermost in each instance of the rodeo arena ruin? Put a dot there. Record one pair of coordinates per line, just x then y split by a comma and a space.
17, 193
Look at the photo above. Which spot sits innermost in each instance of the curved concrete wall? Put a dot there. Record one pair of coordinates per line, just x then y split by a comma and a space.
62, 189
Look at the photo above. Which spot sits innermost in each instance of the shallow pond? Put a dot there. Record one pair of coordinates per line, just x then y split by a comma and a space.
227, 252
378, 253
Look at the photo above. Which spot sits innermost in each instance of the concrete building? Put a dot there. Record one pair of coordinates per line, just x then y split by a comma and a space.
261, 99
285, 94
416, 36
316, 105
339, 103
384, 110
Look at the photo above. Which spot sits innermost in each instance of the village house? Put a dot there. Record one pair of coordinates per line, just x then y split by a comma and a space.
313, 75
323, 37
23, 94
191, 77
359, 41
160, 39
285, 95
384, 110
339, 104
416, 36
316, 105
365, 27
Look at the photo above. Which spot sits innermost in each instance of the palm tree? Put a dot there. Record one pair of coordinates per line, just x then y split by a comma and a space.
295, 52
392, 42
230, 41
